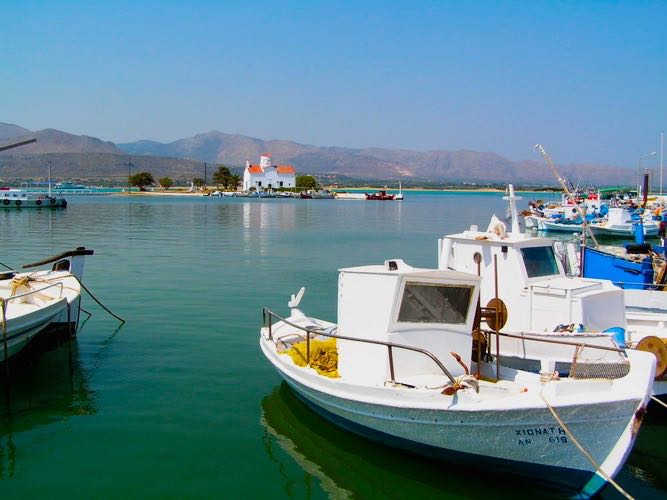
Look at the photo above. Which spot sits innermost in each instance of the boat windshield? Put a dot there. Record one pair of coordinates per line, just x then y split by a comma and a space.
435, 303
539, 261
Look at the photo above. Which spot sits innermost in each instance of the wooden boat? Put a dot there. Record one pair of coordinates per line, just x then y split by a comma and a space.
381, 195
38, 301
398, 374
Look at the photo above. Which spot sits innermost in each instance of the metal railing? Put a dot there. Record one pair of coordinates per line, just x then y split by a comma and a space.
268, 316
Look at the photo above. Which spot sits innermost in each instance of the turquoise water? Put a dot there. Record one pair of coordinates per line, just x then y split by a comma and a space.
179, 402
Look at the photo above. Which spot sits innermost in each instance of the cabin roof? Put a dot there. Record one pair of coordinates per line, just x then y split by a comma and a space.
484, 238
255, 169
413, 272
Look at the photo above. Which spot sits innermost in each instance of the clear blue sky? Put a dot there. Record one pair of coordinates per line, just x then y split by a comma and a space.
586, 79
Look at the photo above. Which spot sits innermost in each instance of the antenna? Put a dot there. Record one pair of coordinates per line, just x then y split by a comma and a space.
571, 197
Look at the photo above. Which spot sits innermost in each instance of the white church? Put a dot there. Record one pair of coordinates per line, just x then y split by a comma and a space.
265, 176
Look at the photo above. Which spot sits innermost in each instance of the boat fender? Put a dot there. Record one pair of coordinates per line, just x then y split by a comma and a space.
52, 201
64, 204
6, 202
18, 203
38, 202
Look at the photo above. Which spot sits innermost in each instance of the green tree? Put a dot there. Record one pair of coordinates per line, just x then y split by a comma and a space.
234, 181
306, 182
166, 182
141, 180
198, 182
222, 176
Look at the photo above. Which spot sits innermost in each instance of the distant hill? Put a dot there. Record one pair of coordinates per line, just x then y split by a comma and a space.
87, 157
377, 163
9, 130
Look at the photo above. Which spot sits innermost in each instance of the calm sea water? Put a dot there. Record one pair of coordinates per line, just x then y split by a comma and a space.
179, 402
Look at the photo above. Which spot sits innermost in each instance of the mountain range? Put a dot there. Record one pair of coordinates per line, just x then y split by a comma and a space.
81, 156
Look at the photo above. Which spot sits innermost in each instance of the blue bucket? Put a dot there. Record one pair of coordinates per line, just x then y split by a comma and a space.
618, 334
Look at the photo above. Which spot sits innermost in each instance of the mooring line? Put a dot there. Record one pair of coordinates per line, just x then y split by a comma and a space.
658, 401
598, 468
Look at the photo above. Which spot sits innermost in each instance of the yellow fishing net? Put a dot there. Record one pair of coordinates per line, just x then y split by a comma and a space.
323, 356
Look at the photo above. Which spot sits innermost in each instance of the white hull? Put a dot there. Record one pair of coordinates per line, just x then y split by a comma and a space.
49, 300
509, 432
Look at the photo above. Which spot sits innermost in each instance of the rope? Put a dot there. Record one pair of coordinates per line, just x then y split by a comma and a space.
658, 401
6, 266
88, 292
598, 469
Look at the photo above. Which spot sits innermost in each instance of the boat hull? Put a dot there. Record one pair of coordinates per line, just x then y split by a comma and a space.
389, 426
525, 441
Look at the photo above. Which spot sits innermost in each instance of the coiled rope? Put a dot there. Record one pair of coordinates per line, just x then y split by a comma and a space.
598, 468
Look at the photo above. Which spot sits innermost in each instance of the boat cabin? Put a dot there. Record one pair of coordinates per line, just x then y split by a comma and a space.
423, 308
531, 282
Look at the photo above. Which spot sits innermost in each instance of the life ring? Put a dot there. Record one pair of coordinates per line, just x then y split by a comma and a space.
52, 201
38, 202
18, 203
6, 202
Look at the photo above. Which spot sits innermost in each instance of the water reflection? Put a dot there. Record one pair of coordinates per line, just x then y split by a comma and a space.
344, 463
40, 391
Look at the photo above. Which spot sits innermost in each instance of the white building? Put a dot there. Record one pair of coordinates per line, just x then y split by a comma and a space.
265, 176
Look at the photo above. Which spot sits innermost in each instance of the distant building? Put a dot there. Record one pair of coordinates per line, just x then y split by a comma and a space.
266, 176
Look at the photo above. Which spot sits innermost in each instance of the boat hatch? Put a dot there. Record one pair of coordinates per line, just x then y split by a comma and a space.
434, 303
540, 261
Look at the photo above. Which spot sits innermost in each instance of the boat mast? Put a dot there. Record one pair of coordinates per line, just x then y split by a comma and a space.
49, 179
515, 216
571, 197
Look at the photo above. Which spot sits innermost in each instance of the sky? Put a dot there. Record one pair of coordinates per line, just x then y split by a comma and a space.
588, 80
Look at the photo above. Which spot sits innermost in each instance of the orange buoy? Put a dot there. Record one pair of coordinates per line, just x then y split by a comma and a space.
659, 349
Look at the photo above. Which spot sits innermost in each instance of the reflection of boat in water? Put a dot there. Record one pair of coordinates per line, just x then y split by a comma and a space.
304, 447
41, 395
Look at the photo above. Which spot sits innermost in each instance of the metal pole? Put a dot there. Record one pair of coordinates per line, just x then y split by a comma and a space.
495, 276
49, 179
391, 365
205, 183
662, 137
129, 172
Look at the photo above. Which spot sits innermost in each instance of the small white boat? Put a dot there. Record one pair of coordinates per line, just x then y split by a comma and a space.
37, 301
619, 222
19, 198
395, 369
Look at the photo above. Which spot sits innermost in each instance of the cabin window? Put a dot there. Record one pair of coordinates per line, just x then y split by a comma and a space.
539, 261
433, 303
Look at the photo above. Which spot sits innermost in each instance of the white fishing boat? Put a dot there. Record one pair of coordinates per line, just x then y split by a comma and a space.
620, 222
395, 369
36, 301
541, 301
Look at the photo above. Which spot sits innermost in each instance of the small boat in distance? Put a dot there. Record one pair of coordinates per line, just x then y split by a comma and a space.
383, 195
19, 198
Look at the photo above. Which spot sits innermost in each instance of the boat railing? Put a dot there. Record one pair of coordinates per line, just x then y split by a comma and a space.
269, 315
4, 302
527, 337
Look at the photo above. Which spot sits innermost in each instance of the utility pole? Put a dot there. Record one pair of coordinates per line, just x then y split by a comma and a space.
205, 183
129, 174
